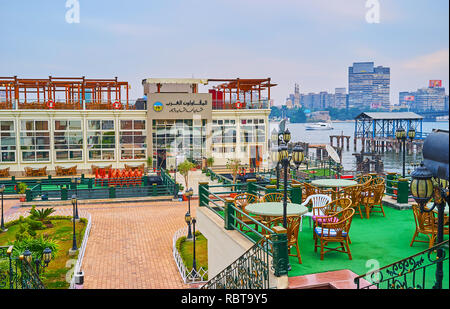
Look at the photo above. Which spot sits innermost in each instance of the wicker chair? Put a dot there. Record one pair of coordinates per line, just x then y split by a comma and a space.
354, 194
4, 172
240, 202
334, 232
372, 198
363, 179
377, 181
426, 223
292, 227
28, 171
59, 171
275, 197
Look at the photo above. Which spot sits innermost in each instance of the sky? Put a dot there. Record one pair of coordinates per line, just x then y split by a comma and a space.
311, 43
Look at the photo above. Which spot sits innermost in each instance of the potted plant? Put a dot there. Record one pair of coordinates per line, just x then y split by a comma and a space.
150, 163
234, 165
22, 187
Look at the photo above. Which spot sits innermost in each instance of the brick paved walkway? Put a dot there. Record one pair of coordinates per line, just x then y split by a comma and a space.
130, 246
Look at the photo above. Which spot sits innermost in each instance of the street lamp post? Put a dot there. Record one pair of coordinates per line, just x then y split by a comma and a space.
74, 239
423, 188
175, 193
76, 181
189, 194
285, 160
2, 226
400, 134
46, 258
194, 261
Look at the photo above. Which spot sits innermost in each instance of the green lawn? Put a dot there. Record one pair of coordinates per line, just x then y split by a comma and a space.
186, 249
54, 276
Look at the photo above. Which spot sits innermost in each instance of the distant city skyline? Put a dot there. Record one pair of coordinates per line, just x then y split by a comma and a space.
310, 43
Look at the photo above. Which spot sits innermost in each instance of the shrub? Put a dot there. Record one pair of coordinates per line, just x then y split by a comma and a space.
22, 187
35, 245
41, 214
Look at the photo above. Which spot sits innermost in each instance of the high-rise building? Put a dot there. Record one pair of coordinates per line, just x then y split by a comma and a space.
431, 98
340, 98
369, 86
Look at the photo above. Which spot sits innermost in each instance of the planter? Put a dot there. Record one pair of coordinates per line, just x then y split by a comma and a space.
184, 198
22, 198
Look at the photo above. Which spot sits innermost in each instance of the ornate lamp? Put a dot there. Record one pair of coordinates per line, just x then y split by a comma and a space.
298, 156
187, 219
27, 256
421, 185
47, 255
412, 133
287, 136
283, 153
400, 134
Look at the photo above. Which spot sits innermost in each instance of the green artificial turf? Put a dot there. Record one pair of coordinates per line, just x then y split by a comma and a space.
384, 239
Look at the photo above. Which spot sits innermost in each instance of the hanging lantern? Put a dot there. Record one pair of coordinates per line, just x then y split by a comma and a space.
412, 134
287, 136
283, 153
421, 185
298, 155
400, 134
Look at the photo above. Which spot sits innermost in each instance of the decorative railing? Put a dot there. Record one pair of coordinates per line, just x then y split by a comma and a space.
250, 271
414, 272
189, 276
17, 273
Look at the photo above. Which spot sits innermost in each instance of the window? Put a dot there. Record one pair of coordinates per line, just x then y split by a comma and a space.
101, 140
35, 140
68, 140
133, 140
7, 141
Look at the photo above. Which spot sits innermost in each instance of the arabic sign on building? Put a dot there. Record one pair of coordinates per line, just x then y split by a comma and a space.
179, 105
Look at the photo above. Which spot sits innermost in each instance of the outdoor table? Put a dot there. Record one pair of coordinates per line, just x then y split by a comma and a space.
429, 205
333, 183
275, 209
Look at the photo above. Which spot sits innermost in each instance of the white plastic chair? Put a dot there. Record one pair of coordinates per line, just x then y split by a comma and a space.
317, 200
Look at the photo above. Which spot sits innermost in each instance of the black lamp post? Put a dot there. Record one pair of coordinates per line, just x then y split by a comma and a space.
2, 226
187, 218
74, 240
76, 182
423, 188
189, 192
46, 258
194, 261
400, 134
175, 192
285, 160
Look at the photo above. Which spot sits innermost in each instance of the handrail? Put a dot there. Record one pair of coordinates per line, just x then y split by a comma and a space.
401, 268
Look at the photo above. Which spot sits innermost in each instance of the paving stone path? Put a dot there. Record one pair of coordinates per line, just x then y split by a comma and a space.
130, 245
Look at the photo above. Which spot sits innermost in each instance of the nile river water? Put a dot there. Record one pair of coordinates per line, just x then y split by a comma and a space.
392, 161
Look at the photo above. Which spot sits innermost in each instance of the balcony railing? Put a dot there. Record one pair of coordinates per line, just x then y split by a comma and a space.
70, 105
226, 105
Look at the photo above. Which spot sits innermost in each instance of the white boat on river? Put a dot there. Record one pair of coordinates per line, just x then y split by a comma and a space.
319, 126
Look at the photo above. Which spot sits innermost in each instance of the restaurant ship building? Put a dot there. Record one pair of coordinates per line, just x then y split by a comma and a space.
64, 122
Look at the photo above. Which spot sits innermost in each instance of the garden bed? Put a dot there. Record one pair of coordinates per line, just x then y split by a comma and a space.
60, 231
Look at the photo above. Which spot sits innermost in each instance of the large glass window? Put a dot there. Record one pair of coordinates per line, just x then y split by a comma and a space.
224, 134
253, 131
7, 141
183, 137
133, 140
35, 140
101, 140
68, 140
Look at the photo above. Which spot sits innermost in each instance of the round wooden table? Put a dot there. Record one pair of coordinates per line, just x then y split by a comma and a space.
275, 209
333, 183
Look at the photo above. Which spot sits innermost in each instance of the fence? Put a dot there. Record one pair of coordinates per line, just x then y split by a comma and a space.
409, 273
275, 242
188, 275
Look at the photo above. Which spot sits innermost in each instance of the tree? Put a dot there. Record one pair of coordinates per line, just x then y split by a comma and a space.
209, 162
184, 169
234, 165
